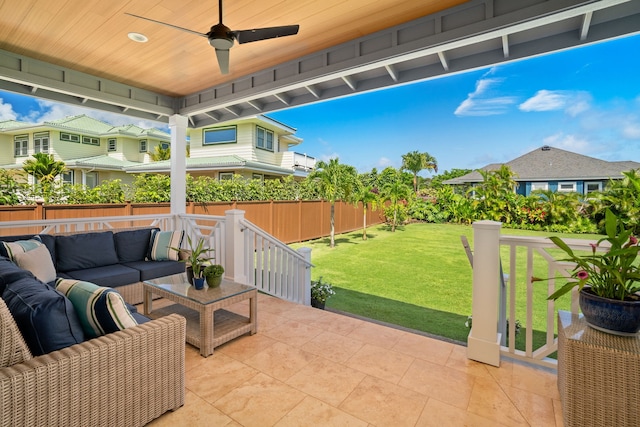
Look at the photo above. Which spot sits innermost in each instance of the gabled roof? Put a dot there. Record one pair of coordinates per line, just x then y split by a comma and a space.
99, 162
554, 164
81, 123
210, 163
10, 124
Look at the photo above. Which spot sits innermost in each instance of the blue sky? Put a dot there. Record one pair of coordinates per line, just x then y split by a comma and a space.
585, 100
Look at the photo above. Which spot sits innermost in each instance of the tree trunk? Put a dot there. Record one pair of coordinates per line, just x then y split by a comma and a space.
364, 224
333, 242
415, 183
395, 216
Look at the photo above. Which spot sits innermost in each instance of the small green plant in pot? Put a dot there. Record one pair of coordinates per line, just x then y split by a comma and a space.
213, 274
320, 292
196, 256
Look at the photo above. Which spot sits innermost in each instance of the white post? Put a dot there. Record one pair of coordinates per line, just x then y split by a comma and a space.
483, 343
306, 276
178, 127
234, 246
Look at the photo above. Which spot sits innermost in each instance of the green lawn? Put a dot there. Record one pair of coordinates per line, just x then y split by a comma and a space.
418, 277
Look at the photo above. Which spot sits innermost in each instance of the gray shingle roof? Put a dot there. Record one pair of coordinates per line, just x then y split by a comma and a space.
554, 164
210, 163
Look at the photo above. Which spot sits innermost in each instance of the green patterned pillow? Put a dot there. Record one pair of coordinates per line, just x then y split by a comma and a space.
101, 310
161, 244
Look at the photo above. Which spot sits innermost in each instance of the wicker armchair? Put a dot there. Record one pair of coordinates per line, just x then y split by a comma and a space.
126, 378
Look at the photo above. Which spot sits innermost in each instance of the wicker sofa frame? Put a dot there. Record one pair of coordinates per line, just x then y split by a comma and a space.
126, 378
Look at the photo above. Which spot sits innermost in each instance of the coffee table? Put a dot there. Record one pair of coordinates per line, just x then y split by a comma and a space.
208, 325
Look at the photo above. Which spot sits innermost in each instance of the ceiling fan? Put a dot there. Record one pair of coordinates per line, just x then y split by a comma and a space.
222, 37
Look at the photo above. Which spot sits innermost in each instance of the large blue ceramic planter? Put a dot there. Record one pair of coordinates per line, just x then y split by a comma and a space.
608, 315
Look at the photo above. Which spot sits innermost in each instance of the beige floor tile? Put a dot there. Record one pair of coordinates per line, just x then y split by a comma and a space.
382, 403
537, 410
445, 384
195, 413
261, 402
338, 323
557, 411
439, 414
293, 333
246, 346
536, 380
489, 401
312, 412
425, 348
303, 314
327, 381
458, 360
333, 346
217, 376
378, 335
381, 363
280, 360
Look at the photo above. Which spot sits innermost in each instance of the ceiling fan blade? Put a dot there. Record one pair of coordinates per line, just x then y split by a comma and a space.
223, 60
247, 36
168, 25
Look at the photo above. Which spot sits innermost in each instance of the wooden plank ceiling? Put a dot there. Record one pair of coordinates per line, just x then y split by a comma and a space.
91, 35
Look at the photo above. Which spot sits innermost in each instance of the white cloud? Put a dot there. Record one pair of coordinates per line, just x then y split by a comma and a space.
568, 142
572, 102
327, 157
383, 162
631, 131
481, 103
6, 111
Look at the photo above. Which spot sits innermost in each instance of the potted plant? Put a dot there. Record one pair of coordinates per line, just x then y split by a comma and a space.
213, 274
608, 281
320, 292
195, 257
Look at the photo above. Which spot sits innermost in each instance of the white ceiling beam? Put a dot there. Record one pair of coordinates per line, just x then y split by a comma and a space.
505, 45
255, 104
313, 91
443, 61
283, 98
586, 23
350, 82
34, 89
233, 111
190, 118
212, 115
392, 72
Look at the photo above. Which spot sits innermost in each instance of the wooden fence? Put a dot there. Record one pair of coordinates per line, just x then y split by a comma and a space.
288, 221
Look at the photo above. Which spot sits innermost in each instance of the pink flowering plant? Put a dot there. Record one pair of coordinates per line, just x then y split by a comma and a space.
612, 274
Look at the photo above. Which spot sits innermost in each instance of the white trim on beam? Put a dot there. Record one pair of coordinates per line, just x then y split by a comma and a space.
190, 118
211, 115
505, 45
282, 98
34, 89
313, 91
255, 104
586, 23
443, 61
392, 72
350, 82
233, 111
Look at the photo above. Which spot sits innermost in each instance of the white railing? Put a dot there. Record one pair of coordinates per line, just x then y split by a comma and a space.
275, 268
249, 255
524, 254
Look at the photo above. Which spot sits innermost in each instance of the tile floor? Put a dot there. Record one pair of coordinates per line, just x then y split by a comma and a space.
309, 367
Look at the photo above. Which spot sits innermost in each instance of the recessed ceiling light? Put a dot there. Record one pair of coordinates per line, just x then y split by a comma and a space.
137, 37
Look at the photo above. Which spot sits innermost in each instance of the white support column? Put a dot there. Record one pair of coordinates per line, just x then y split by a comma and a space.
306, 276
234, 246
178, 126
483, 343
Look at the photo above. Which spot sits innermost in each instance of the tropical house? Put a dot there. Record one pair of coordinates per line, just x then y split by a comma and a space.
550, 168
95, 151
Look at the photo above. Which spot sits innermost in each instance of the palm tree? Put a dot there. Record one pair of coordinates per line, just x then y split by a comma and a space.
415, 161
365, 194
160, 153
335, 182
394, 191
43, 167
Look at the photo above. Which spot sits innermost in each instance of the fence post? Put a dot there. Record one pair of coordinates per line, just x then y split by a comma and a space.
234, 246
305, 274
483, 343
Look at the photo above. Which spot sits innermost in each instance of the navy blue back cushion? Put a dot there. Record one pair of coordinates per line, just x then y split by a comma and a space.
9, 272
132, 245
87, 250
45, 317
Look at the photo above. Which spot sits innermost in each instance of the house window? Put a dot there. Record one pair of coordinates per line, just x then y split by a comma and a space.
222, 176
539, 186
90, 140
71, 137
566, 187
225, 135
91, 179
264, 138
590, 187
143, 146
21, 144
67, 177
112, 144
258, 176
164, 145
41, 142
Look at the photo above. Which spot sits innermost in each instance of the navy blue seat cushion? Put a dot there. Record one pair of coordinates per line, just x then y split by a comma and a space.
45, 317
152, 269
9, 272
132, 245
87, 250
109, 275
140, 318
48, 240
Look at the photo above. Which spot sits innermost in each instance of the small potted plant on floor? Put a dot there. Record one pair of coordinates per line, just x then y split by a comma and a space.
213, 274
195, 257
320, 292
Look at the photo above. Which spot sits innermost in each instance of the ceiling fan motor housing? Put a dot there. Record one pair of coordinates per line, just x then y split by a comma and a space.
220, 37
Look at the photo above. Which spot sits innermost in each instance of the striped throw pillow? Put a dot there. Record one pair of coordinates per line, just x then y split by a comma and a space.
161, 244
32, 255
101, 310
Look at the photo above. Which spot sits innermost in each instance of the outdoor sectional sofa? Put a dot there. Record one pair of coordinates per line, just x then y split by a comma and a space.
117, 259
54, 371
